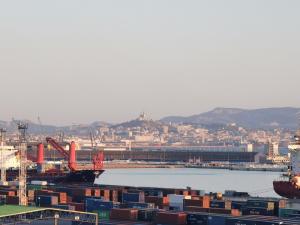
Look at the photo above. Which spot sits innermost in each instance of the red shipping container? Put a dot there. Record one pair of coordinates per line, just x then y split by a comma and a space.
77, 206
220, 211
96, 192
113, 196
82, 192
196, 209
158, 201
124, 214
171, 218
12, 200
69, 199
8, 192
203, 202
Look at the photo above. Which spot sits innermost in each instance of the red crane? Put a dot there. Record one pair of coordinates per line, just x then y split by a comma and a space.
71, 155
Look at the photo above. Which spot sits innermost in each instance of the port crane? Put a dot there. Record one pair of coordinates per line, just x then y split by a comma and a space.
3, 169
22, 127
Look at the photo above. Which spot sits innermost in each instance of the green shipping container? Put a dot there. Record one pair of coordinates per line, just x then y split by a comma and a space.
289, 213
102, 214
34, 187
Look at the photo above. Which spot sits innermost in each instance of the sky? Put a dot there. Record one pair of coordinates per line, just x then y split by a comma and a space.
71, 61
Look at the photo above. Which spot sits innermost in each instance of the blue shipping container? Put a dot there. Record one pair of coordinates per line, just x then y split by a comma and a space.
237, 205
97, 204
197, 219
217, 204
133, 197
216, 220
137, 205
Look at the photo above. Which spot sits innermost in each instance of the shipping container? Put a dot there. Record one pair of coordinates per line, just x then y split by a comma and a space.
99, 204
12, 200
82, 192
102, 214
289, 213
257, 211
203, 202
137, 205
124, 214
216, 219
147, 214
176, 201
153, 192
65, 207
133, 197
196, 209
113, 196
170, 218
39, 182
238, 205
260, 220
157, 201
96, 192
46, 201
62, 196
197, 219
217, 204
78, 206
261, 204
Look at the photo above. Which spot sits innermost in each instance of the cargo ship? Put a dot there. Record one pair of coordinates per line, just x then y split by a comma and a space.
74, 173
289, 186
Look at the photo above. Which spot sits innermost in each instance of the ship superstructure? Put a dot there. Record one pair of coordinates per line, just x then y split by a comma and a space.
291, 188
9, 157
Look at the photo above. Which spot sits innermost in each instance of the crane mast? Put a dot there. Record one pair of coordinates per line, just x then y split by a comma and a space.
23, 164
3, 168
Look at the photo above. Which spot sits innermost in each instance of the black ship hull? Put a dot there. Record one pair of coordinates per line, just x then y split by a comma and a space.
59, 177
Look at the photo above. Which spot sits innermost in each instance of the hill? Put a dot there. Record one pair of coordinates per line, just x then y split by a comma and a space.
286, 117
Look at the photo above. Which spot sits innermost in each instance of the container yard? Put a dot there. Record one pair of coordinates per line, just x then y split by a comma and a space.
145, 205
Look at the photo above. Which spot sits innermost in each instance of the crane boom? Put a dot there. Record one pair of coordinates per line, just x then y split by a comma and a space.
56, 146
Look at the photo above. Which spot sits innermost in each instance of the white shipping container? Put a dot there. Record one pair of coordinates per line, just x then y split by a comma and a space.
177, 198
13, 183
176, 201
39, 182
3, 183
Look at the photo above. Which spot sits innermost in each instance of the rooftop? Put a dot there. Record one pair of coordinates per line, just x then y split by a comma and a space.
6, 210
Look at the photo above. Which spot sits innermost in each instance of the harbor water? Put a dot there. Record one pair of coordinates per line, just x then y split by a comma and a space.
256, 183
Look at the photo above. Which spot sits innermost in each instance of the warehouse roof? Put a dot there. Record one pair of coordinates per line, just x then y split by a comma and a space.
6, 210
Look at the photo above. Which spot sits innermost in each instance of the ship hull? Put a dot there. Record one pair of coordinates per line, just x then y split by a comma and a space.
286, 189
59, 177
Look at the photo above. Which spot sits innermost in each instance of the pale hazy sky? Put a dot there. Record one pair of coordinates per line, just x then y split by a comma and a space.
71, 61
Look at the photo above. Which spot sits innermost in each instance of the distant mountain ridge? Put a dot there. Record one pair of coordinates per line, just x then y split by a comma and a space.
265, 118
285, 117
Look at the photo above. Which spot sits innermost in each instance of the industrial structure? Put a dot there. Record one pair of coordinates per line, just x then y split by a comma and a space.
3, 168
22, 127
163, 155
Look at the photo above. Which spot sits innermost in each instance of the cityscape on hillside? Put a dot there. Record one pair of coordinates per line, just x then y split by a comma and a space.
172, 133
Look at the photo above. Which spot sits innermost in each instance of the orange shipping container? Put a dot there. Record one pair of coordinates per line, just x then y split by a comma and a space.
235, 212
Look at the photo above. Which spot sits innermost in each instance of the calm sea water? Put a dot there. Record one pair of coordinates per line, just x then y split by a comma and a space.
210, 180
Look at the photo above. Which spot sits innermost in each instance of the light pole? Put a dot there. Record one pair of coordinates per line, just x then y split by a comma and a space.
56, 217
